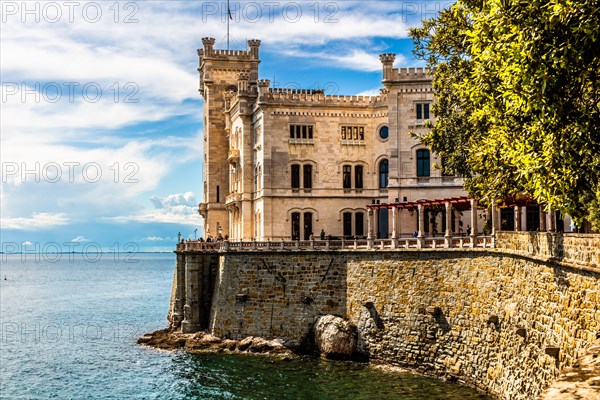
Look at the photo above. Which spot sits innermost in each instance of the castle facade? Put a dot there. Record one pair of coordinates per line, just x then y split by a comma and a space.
289, 164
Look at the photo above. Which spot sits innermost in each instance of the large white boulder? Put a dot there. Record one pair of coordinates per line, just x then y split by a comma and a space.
335, 337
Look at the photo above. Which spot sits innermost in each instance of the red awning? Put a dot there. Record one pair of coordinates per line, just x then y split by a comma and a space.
457, 202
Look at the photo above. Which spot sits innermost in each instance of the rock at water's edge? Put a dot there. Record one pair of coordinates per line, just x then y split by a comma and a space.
168, 339
335, 337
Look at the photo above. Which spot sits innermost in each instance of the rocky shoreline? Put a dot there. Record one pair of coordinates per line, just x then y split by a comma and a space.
203, 342
330, 336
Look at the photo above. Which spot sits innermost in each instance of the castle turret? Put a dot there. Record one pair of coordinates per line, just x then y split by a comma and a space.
243, 83
263, 87
208, 45
254, 44
387, 60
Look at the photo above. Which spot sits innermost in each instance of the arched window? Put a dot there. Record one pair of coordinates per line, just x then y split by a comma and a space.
358, 177
384, 170
308, 229
296, 226
359, 225
307, 170
347, 176
423, 163
295, 176
347, 217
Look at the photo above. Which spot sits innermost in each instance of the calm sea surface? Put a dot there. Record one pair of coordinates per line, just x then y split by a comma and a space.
69, 330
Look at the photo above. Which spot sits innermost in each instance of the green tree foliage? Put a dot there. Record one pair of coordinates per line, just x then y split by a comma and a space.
517, 106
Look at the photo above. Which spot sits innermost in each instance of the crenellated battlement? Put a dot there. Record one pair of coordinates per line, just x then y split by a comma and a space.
318, 96
296, 91
208, 51
406, 74
413, 73
391, 74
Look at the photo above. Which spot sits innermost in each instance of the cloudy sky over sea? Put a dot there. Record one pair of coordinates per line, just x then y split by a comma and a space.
100, 116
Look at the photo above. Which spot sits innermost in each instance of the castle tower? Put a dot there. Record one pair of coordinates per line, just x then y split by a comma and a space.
219, 74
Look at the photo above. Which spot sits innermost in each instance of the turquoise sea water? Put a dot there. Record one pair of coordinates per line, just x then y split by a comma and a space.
69, 326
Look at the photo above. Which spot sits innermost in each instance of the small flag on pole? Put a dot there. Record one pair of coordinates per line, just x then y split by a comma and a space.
229, 10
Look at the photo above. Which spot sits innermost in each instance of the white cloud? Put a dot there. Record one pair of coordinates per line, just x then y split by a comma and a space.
158, 239
79, 239
157, 54
37, 221
370, 92
174, 209
173, 200
354, 59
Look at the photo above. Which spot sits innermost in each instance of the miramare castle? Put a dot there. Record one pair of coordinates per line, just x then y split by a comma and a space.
288, 163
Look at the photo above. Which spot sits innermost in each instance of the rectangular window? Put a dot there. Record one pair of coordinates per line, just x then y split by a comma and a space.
359, 225
218, 195
347, 177
423, 163
347, 224
301, 131
295, 176
353, 132
422, 110
358, 177
307, 170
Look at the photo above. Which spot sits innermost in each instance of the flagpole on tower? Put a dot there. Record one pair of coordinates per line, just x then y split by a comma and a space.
228, 18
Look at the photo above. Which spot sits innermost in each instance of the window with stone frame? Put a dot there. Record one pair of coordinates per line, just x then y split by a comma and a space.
349, 132
295, 176
422, 111
423, 163
347, 176
301, 131
307, 176
358, 177
384, 170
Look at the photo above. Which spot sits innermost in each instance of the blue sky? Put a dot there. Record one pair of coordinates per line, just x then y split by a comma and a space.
100, 116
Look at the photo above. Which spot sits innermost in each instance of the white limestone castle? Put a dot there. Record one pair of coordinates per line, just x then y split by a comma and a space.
287, 163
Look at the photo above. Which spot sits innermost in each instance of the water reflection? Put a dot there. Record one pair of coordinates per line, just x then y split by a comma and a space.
218, 376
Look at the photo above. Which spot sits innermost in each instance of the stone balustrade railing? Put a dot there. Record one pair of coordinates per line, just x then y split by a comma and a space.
351, 244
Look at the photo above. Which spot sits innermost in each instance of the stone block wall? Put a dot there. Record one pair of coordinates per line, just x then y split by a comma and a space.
276, 294
498, 321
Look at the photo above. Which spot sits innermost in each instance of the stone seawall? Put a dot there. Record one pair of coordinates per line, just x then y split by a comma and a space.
497, 319
276, 294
